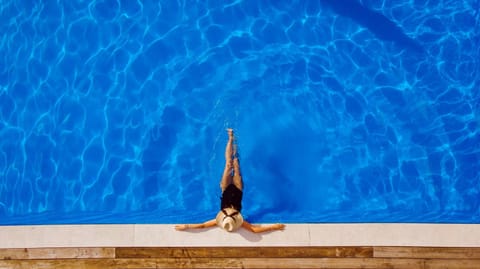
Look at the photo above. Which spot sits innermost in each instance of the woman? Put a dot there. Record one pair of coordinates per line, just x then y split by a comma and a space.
229, 217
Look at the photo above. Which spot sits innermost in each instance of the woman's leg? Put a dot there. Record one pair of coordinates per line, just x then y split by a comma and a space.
227, 172
237, 175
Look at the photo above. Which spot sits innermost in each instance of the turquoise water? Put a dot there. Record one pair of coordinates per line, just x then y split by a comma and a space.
115, 111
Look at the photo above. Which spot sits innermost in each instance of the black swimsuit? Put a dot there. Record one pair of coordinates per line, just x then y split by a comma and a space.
232, 197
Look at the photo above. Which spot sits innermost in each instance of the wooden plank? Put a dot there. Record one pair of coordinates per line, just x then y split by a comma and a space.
71, 253
13, 253
426, 252
246, 252
452, 264
56, 253
281, 263
79, 264
334, 263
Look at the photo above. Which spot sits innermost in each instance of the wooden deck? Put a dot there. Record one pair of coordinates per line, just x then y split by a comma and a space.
241, 257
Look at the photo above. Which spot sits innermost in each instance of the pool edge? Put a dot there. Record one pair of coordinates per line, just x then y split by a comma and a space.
145, 235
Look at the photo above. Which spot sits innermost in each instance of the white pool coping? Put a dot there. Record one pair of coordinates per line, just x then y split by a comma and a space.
428, 235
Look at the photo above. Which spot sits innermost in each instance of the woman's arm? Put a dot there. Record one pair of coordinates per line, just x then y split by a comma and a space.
207, 224
261, 229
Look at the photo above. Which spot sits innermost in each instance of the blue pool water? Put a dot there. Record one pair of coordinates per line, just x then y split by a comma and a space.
115, 111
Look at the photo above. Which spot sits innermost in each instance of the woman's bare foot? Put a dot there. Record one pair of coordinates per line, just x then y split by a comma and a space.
230, 133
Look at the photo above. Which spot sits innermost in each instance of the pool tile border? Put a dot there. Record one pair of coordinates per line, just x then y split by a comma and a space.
135, 235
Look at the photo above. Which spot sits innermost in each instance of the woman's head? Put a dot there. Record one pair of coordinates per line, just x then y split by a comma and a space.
229, 219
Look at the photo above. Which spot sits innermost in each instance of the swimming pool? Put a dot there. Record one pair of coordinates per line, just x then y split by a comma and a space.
115, 111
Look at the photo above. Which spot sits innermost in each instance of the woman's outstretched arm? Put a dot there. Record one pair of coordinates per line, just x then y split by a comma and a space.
207, 224
261, 229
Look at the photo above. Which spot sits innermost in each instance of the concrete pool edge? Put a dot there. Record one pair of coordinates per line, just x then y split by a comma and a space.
164, 235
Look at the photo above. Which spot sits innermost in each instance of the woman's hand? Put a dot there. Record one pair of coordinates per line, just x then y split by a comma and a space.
181, 227
278, 226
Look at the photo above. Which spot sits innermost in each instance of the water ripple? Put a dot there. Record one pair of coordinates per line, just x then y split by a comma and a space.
115, 111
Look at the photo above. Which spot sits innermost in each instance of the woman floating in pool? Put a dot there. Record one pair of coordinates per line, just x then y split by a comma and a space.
229, 217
